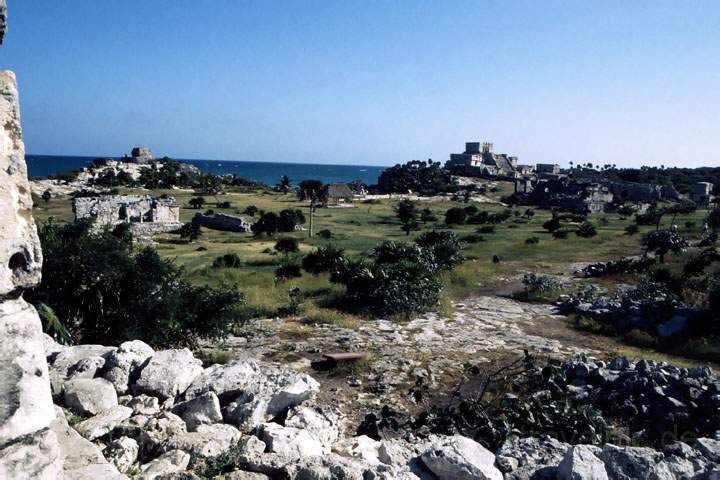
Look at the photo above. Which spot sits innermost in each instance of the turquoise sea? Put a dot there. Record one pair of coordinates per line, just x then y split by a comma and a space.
40, 166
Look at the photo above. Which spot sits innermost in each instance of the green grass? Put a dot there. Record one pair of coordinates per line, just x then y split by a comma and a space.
358, 230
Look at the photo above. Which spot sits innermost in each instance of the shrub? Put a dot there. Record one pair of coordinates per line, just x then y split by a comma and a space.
197, 202
552, 225
455, 216
560, 234
287, 245
287, 269
229, 260
532, 240
586, 230
224, 205
662, 242
632, 229
46, 196
190, 231
103, 292
325, 234
539, 284
444, 246
473, 238
486, 229
324, 259
250, 210
268, 223
289, 219
427, 215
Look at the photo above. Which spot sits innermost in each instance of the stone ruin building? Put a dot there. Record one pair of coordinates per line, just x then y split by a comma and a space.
702, 193
222, 222
146, 215
141, 155
479, 159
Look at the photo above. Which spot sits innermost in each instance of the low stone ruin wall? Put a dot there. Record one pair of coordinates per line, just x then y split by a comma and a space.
222, 222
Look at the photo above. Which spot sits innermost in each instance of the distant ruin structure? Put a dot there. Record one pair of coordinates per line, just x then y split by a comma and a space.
481, 156
141, 155
222, 222
146, 214
702, 193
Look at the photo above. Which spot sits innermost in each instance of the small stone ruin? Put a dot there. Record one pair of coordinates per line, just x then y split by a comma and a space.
145, 214
222, 222
141, 155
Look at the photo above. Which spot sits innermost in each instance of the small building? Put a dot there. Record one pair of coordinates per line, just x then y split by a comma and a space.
141, 155
702, 193
481, 156
552, 168
338, 193
109, 210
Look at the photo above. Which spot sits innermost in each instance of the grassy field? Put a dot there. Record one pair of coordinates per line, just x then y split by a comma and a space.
359, 229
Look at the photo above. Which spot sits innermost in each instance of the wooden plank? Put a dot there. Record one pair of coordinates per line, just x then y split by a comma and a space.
344, 356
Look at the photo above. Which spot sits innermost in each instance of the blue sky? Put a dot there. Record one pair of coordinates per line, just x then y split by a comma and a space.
373, 83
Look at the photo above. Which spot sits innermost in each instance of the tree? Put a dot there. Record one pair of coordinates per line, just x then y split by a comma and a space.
311, 190
46, 195
553, 224
287, 245
445, 247
632, 229
104, 292
268, 223
190, 231
250, 210
289, 219
197, 202
455, 216
285, 184
586, 230
407, 212
713, 219
427, 215
324, 259
424, 178
661, 242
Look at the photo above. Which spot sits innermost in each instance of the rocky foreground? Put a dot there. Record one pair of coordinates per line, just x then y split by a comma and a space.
132, 412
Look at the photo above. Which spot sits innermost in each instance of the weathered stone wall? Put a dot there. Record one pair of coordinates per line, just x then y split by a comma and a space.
220, 221
115, 209
28, 448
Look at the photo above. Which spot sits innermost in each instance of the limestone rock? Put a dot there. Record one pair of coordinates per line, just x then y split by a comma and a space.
362, 447
169, 462
256, 392
122, 453
202, 410
69, 360
323, 424
104, 422
208, 441
625, 463
168, 373
289, 441
36, 456
581, 463
460, 458
520, 459
123, 364
710, 448
240, 475
89, 396
144, 405
158, 429
81, 459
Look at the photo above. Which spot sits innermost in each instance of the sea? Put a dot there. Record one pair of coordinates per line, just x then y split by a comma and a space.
40, 166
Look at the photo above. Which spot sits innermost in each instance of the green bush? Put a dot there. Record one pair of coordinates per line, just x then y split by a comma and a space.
324, 259
229, 260
287, 245
325, 234
288, 269
632, 229
444, 246
586, 230
104, 292
455, 216
532, 240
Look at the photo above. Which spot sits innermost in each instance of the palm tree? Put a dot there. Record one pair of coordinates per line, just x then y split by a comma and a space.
285, 184
311, 190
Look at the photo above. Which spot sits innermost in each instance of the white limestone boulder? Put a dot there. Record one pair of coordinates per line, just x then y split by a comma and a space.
89, 396
290, 442
144, 405
208, 441
582, 463
323, 424
124, 363
202, 410
460, 458
123, 453
362, 448
170, 462
168, 373
103, 423
256, 392
634, 462
63, 364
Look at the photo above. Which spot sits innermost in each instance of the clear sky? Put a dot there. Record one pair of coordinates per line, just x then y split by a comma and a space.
365, 82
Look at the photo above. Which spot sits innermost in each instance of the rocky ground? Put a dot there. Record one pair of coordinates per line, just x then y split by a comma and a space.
433, 347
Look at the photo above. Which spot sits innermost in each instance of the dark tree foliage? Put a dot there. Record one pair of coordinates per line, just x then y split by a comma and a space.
197, 202
104, 292
662, 242
632, 229
445, 247
427, 215
455, 216
553, 224
423, 178
46, 196
250, 210
268, 223
406, 211
289, 219
285, 184
324, 259
229, 260
683, 179
287, 245
287, 269
713, 219
190, 231
586, 230
311, 190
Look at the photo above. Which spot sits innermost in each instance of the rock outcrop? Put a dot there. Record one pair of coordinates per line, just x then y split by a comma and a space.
28, 447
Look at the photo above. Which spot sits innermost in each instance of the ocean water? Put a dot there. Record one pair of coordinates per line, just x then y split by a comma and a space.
40, 166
